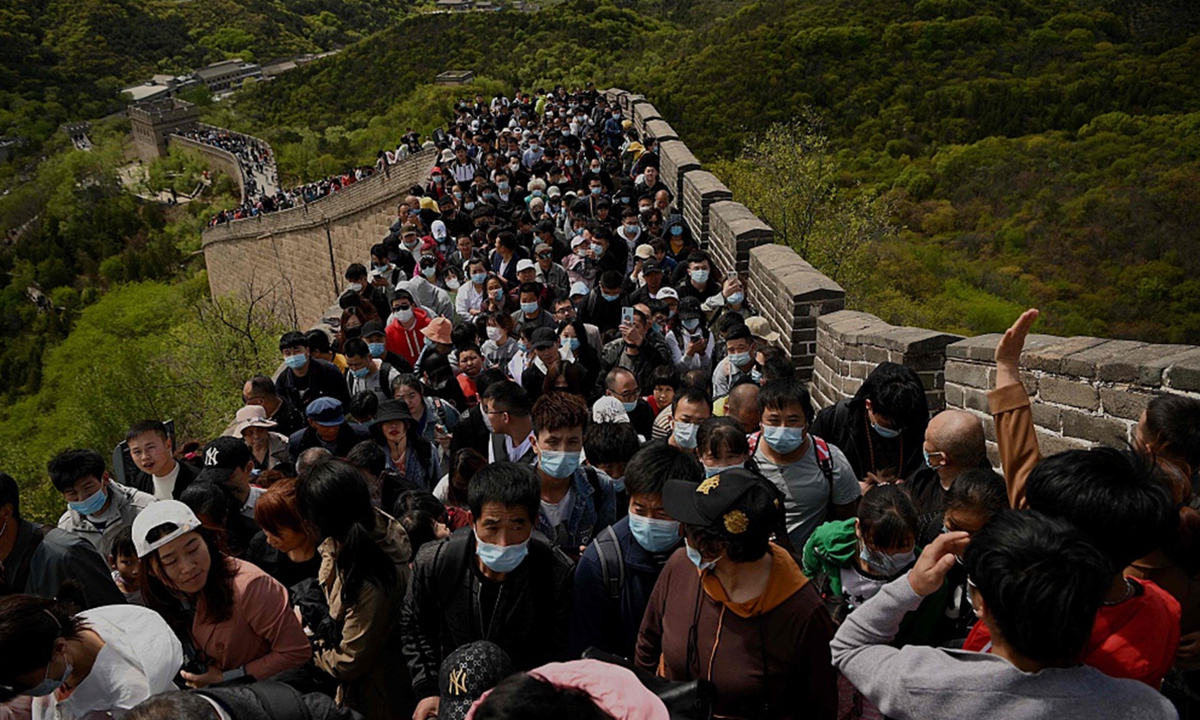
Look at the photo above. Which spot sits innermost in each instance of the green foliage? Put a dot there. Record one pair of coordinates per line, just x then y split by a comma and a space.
182, 170
144, 350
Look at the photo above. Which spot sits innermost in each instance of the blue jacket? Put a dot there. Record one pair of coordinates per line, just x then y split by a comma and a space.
589, 514
598, 621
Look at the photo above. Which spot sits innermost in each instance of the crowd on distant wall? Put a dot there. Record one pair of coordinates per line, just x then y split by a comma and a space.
550, 462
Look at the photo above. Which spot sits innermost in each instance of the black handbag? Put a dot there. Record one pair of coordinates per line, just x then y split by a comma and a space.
685, 699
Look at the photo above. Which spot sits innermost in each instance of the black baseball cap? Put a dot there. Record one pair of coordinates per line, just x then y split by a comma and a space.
732, 502
468, 673
543, 337
222, 457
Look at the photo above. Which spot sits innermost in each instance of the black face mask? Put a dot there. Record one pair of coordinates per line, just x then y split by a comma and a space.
353, 332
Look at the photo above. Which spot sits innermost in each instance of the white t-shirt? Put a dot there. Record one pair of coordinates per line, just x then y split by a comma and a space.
557, 513
140, 657
806, 491
164, 487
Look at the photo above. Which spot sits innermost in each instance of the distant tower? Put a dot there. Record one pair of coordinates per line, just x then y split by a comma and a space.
154, 120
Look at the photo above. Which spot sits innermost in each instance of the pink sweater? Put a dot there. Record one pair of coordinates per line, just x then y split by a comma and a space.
262, 634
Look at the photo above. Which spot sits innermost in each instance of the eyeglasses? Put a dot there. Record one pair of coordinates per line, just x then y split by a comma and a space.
401, 308
545, 256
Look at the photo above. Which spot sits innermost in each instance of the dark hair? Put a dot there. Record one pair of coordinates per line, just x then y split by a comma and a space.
610, 442
691, 394
525, 697
147, 426
887, 517
364, 405
580, 333
10, 494
369, 456
978, 490
334, 497
318, 340
1041, 580
71, 466
778, 368
356, 347
263, 385
651, 467
571, 371
717, 434
664, 375
509, 397
355, 271
463, 466
611, 279
508, 484
216, 599
1173, 422
697, 378
896, 393
122, 545
419, 525
778, 394
293, 339
749, 546
29, 627
1111, 495
559, 411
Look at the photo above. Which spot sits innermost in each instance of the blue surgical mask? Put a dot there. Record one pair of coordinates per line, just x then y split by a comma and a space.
48, 684
502, 186
595, 190
91, 505
629, 406
739, 359
685, 435
609, 298
501, 558
887, 564
691, 323
529, 308
376, 349
361, 372
429, 272
598, 250
498, 294
654, 535
699, 276
783, 440
469, 205
570, 343
676, 230
296, 362
756, 376
558, 463
479, 278
885, 432
736, 298
711, 471
698, 560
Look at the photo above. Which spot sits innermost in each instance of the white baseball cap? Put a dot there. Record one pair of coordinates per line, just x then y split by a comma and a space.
667, 292
158, 513
525, 265
438, 228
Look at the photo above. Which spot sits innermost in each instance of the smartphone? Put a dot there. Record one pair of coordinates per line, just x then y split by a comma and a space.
626, 316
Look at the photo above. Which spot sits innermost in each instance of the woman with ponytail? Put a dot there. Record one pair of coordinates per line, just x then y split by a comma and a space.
364, 574
103, 661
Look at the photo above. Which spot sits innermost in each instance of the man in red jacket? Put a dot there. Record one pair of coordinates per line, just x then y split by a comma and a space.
404, 327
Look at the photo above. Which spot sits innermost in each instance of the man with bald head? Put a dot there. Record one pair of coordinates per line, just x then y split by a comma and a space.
742, 405
953, 443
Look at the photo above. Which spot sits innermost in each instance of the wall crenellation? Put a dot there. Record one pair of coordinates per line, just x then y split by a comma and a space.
1084, 390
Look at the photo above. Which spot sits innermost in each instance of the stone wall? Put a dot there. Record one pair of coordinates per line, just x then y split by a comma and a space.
1084, 390
217, 159
300, 255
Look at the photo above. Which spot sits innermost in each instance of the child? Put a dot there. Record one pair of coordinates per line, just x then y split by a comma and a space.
126, 567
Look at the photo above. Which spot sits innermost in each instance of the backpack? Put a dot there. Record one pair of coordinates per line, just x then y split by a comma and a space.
608, 552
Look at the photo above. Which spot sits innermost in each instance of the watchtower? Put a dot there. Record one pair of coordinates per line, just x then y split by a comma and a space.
154, 120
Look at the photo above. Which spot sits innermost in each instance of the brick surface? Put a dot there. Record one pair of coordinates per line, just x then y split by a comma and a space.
1066, 391
1094, 428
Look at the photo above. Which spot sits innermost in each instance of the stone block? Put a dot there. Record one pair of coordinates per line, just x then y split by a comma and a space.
1127, 404
1064, 391
1108, 361
1184, 373
1094, 428
918, 340
980, 347
1047, 416
661, 130
1151, 369
1048, 354
971, 374
974, 399
954, 395
1051, 444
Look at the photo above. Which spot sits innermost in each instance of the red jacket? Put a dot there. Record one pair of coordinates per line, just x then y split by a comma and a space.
407, 342
1135, 639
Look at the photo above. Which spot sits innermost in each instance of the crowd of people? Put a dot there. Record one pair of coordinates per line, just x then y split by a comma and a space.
552, 463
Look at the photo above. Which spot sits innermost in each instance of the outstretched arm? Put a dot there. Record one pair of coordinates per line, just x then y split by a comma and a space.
1015, 433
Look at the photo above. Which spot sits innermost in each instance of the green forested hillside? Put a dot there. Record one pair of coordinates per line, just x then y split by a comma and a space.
65, 60
1041, 153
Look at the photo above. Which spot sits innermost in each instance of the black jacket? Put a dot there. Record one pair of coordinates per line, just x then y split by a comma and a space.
845, 424
471, 432
348, 436
322, 380
276, 701
442, 608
